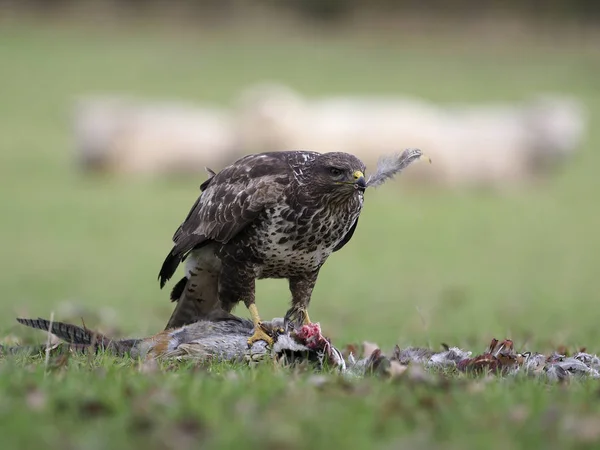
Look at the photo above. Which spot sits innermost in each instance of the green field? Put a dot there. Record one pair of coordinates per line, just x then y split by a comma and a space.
425, 266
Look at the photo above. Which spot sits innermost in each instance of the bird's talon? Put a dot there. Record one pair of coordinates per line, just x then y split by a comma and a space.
260, 334
306, 319
296, 317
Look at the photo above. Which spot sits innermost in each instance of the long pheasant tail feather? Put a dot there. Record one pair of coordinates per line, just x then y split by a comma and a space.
389, 166
80, 338
65, 331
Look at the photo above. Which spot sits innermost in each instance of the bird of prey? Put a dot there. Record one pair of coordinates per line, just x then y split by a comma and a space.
267, 215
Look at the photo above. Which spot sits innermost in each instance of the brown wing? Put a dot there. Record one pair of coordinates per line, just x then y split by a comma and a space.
346, 238
231, 200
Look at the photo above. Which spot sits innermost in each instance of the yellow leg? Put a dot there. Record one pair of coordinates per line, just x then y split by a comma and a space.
260, 333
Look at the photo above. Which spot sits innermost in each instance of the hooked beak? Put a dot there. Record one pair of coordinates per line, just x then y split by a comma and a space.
359, 180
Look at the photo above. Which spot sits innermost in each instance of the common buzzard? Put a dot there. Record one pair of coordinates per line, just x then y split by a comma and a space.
268, 215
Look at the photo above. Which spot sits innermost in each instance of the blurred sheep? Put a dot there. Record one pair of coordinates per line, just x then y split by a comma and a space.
125, 136
486, 145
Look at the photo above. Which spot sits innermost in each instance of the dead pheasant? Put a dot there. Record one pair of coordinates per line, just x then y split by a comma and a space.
224, 339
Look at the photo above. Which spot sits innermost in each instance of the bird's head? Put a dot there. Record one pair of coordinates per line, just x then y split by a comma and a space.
340, 174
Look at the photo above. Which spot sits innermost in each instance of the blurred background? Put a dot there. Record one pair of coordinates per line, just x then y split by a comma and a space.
110, 110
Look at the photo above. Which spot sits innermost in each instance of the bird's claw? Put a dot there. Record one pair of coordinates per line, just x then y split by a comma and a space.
295, 318
260, 334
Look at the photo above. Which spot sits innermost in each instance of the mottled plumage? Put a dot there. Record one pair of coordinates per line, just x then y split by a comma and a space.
269, 215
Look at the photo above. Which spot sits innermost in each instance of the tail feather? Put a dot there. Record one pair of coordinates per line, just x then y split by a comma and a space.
178, 289
186, 311
184, 244
65, 331
197, 300
80, 338
169, 267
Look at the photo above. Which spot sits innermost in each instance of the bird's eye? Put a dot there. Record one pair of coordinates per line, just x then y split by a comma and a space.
334, 171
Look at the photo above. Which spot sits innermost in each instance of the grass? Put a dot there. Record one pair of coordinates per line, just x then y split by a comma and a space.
424, 266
